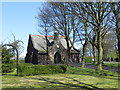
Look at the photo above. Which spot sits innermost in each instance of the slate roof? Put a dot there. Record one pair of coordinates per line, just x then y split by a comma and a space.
39, 42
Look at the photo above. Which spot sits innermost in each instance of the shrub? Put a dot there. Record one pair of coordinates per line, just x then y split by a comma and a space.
7, 67
29, 69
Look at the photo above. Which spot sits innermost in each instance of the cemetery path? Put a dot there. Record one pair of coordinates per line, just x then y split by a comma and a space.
114, 69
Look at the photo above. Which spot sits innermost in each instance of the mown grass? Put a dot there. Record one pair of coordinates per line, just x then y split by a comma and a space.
92, 72
60, 81
75, 78
112, 64
109, 64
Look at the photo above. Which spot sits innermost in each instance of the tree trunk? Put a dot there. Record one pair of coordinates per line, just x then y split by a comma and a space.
116, 12
46, 38
118, 35
100, 50
119, 48
68, 56
93, 47
85, 45
46, 47
68, 50
118, 38
84, 54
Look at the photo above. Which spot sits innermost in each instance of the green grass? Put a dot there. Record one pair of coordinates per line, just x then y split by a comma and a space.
109, 64
60, 81
75, 77
112, 64
92, 72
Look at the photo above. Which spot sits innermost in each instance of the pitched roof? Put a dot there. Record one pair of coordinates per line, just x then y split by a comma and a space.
39, 42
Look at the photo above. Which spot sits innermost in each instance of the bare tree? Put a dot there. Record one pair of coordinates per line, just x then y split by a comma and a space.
116, 20
18, 44
45, 25
65, 23
99, 16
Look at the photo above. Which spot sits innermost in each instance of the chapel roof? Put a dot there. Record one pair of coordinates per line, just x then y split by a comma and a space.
39, 42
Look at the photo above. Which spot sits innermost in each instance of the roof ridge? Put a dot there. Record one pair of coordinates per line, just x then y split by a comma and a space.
46, 35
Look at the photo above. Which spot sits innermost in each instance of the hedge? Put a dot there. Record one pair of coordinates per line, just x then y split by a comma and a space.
8, 67
30, 69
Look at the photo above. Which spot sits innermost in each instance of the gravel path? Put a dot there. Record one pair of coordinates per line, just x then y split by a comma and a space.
114, 69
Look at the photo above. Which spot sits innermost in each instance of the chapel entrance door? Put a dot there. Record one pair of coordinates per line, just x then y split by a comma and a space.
57, 58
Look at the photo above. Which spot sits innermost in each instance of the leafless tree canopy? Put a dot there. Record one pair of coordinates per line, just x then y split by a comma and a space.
85, 22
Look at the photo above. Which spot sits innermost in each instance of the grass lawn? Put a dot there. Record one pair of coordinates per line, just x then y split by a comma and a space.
112, 64
60, 81
74, 78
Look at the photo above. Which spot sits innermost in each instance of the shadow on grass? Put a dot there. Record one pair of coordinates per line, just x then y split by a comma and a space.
106, 77
51, 85
84, 84
80, 85
100, 76
8, 74
54, 89
116, 78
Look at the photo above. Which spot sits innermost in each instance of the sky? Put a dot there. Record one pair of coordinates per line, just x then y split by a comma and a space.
19, 18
